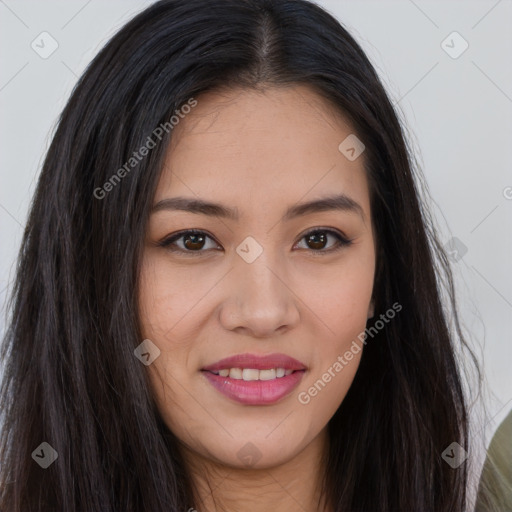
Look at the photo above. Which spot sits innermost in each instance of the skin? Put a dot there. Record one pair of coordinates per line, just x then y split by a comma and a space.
260, 152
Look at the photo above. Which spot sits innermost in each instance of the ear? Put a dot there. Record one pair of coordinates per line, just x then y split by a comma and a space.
371, 310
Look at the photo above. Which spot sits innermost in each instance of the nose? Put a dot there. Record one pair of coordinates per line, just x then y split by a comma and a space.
260, 301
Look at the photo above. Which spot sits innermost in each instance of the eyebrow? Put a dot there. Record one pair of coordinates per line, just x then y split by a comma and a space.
339, 202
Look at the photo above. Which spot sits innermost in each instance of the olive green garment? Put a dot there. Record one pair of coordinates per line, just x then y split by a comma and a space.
495, 489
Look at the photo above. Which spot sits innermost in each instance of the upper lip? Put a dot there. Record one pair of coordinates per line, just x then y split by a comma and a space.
257, 362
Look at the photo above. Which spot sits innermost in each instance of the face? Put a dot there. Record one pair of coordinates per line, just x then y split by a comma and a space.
272, 276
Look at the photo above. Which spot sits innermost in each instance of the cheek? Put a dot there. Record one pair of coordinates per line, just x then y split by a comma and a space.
155, 297
168, 298
340, 297
340, 303
337, 354
164, 299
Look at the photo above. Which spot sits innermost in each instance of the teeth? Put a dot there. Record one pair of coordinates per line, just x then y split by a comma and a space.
267, 374
249, 374
235, 373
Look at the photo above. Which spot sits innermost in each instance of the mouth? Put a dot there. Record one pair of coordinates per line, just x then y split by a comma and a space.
255, 380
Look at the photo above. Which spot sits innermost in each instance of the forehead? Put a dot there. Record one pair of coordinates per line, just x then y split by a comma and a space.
243, 146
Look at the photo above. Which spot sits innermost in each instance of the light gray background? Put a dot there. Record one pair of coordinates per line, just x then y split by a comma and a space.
458, 112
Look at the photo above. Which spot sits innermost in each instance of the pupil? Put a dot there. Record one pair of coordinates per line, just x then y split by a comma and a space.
195, 242
317, 244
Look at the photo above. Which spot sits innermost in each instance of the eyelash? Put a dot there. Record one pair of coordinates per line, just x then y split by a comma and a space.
168, 242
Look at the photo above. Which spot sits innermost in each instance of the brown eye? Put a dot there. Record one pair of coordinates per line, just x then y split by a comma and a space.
193, 242
189, 242
317, 240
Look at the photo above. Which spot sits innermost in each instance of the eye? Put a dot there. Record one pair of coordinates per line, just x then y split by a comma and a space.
191, 241
317, 240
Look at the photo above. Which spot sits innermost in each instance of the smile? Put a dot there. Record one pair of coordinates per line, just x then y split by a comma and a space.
248, 374
255, 380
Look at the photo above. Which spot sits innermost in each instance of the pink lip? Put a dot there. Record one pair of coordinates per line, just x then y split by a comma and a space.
256, 392
257, 362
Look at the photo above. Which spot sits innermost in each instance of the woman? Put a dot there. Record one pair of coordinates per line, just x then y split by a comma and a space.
229, 294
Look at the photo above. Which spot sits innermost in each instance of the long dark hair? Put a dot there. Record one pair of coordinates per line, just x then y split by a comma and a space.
71, 378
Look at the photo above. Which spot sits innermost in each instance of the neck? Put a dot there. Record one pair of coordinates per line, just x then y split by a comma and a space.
295, 484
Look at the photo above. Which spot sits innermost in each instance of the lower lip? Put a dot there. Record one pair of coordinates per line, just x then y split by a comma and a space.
255, 392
